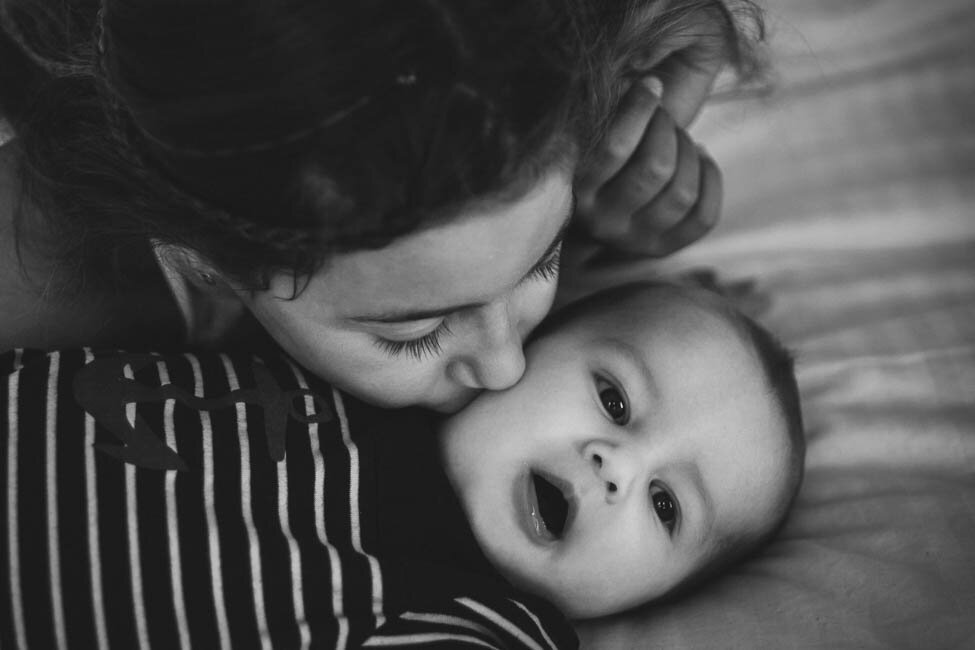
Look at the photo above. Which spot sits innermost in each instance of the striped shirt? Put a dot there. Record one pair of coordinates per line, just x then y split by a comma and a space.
227, 501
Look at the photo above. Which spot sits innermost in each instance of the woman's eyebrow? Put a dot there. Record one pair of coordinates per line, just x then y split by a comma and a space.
437, 312
413, 314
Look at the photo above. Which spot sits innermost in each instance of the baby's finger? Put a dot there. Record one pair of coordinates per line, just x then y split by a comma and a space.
680, 194
648, 172
635, 111
702, 217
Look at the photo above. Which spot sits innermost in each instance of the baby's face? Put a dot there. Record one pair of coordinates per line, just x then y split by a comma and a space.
638, 438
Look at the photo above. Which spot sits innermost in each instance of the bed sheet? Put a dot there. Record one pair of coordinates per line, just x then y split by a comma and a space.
850, 199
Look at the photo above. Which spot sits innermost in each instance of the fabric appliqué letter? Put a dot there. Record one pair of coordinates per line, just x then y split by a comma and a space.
103, 390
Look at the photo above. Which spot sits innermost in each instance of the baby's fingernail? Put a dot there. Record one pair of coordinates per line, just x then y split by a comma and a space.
654, 85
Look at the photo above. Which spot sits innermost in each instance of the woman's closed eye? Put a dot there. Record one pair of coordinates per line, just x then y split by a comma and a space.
664, 506
428, 345
548, 269
613, 400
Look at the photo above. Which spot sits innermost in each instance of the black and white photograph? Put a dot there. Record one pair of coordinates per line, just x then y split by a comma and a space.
512, 324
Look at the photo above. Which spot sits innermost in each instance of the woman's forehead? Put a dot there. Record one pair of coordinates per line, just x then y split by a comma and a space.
472, 259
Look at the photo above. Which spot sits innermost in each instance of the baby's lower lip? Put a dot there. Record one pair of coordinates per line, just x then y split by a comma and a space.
527, 512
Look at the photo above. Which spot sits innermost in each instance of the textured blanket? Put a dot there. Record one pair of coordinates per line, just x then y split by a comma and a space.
850, 199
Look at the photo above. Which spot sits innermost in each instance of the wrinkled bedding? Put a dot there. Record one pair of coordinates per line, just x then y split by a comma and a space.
850, 200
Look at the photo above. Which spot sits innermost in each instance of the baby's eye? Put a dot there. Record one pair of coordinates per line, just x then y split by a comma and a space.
664, 506
613, 401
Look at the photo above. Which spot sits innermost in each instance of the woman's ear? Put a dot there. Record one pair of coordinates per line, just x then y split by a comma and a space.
187, 265
209, 303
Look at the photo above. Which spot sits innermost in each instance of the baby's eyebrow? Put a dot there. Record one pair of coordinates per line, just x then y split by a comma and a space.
634, 358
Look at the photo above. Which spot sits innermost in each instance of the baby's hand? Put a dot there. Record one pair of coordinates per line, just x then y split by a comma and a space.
649, 190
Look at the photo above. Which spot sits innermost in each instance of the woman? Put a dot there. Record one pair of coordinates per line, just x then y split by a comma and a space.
380, 188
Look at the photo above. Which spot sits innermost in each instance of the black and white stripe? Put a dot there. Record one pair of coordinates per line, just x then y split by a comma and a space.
94, 547
238, 551
172, 528
13, 507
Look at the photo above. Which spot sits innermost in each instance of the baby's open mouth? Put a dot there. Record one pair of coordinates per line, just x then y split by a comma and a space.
553, 506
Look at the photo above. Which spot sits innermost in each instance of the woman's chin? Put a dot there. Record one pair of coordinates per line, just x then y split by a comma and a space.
452, 403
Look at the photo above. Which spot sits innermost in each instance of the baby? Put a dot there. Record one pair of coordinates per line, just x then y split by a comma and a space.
654, 438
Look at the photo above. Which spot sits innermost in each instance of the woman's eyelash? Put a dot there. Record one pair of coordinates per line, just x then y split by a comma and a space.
426, 345
549, 269
430, 344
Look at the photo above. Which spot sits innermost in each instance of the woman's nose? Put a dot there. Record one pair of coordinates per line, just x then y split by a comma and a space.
497, 360
614, 468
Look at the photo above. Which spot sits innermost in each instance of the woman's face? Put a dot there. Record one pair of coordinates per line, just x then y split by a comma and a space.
436, 316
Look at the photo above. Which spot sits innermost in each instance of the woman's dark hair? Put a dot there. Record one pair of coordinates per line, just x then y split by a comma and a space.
267, 136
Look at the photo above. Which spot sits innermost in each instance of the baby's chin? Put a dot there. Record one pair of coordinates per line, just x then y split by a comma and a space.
587, 595
579, 603
583, 596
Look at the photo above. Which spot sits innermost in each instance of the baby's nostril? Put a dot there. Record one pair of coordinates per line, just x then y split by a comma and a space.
611, 486
596, 458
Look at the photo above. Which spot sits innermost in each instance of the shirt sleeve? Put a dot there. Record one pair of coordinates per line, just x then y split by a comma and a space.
481, 621
142, 503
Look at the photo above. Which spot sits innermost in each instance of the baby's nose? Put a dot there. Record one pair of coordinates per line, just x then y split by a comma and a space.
611, 468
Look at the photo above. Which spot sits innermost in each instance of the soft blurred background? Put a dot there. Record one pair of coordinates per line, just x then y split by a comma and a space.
850, 200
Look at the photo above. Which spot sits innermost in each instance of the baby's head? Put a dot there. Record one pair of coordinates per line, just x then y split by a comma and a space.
655, 438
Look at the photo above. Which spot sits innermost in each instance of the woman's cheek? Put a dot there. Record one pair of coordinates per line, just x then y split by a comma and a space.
535, 305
